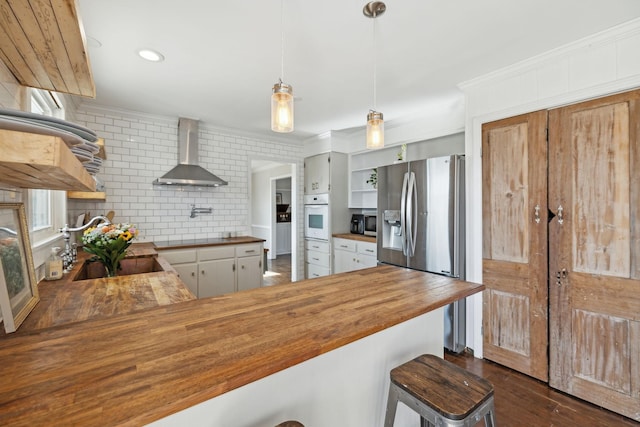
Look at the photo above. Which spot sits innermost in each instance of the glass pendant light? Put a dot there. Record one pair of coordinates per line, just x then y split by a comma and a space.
375, 122
282, 97
375, 130
282, 108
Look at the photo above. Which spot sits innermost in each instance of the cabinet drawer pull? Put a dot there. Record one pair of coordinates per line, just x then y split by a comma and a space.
249, 251
369, 250
316, 259
202, 272
344, 246
193, 274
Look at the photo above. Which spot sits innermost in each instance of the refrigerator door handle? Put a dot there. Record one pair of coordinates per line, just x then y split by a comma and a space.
403, 211
412, 215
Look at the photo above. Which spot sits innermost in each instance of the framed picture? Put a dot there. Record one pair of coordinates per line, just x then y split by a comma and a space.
18, 284
278, 198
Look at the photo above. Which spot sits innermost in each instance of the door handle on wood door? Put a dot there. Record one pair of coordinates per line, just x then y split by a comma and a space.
560, 215
551, 215
560, 276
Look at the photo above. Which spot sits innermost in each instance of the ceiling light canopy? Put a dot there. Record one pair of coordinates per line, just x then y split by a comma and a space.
151, 55
373, 9
375, 122
282, 97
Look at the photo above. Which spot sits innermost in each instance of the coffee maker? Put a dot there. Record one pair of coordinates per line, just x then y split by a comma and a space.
357, 224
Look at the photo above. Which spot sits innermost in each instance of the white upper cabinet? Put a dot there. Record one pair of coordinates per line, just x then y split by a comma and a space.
317, 174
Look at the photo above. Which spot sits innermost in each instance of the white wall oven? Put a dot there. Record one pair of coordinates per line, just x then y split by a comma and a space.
316, 216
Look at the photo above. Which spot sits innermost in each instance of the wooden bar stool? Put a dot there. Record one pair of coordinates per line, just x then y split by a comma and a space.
441, 392
290, 424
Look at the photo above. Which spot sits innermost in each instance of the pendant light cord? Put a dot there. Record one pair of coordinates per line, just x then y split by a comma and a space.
375, 62
281, 41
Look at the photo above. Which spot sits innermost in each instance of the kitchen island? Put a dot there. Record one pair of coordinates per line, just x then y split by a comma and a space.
192, 357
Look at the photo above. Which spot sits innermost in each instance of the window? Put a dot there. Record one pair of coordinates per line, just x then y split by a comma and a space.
40, 203
39, 104
46, 209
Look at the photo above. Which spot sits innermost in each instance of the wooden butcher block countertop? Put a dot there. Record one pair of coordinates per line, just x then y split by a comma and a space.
359, 237
196, 243
136, 368
65, 301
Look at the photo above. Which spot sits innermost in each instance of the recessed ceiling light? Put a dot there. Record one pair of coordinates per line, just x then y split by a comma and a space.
151, 55
93, 42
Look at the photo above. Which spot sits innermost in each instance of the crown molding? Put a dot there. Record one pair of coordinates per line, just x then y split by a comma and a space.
610, 35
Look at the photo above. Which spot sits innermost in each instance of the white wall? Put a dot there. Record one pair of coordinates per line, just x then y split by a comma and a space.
598, 65
283, 187
347, 386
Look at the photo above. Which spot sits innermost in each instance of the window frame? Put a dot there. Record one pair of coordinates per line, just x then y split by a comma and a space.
42, 238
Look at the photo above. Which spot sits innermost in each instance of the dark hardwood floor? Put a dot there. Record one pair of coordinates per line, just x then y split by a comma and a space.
523, 401
278, 270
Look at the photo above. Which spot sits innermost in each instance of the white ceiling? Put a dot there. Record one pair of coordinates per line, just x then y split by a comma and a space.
223, 57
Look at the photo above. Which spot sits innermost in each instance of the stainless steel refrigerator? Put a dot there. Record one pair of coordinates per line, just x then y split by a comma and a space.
421, 225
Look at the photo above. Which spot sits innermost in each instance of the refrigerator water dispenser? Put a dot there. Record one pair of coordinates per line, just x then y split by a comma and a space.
392, 231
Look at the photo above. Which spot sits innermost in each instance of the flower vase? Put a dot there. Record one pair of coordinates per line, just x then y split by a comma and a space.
111, 268
112, 257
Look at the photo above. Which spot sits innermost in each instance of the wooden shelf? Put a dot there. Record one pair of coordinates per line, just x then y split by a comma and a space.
43, 45
103, 152
87, 195
41, 161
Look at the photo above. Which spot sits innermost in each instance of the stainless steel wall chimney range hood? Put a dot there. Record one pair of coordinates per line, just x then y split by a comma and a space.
188, 172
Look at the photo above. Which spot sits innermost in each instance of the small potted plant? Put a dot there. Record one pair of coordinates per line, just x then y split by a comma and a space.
402, 154
373, 178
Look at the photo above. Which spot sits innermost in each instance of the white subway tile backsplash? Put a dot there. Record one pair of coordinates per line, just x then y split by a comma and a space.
121, 123
140, 150
104, 120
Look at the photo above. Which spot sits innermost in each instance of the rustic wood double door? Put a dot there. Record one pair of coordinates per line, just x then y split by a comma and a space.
561, 248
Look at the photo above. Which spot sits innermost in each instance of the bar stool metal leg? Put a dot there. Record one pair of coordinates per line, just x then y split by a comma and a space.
392, 404
489, 420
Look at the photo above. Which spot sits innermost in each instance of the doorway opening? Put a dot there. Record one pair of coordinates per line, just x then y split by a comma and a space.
273, 217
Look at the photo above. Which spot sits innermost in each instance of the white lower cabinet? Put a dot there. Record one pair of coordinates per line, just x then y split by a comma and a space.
188, 273
217, 270
317, 258
350, 255
249, 260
